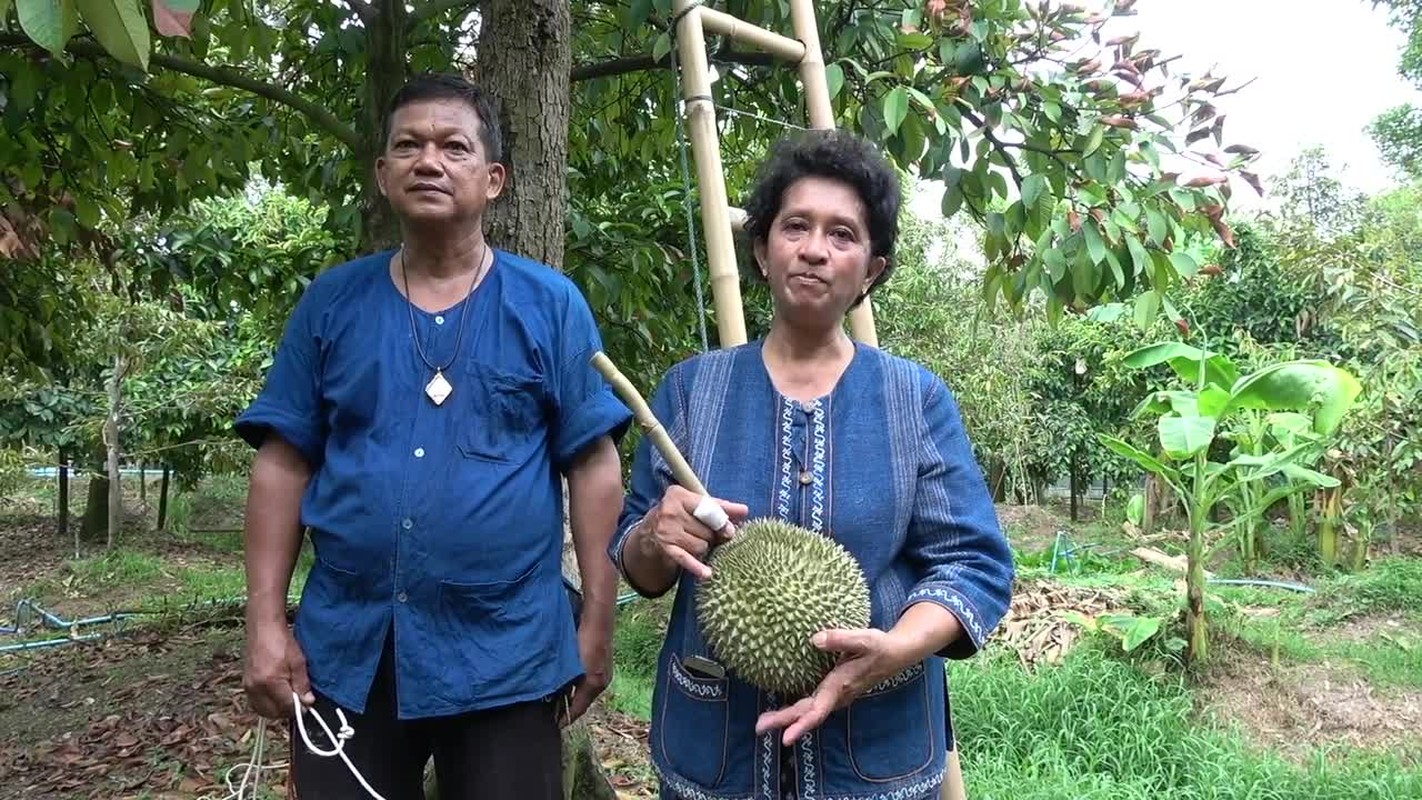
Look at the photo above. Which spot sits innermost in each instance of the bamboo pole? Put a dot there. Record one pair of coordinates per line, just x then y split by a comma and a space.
649, 423
701, 125
820, 115
753, 35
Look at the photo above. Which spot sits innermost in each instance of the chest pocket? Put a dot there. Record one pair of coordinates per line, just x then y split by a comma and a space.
503, 413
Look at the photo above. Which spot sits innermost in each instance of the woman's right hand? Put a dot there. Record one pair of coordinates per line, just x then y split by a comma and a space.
672, 530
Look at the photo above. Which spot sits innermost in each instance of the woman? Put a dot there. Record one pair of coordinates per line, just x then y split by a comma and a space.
809, 426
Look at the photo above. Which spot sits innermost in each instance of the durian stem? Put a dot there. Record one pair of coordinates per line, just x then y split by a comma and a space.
649, 423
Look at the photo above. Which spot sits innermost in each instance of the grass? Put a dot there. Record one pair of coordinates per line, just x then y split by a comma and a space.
1094, 727
1097, 728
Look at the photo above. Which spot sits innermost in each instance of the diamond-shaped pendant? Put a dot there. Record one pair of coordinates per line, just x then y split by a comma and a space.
438, 388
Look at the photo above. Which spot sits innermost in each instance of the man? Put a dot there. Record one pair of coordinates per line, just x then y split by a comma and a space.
422, 408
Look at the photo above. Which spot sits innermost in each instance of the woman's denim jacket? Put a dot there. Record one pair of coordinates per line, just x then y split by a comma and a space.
882, 462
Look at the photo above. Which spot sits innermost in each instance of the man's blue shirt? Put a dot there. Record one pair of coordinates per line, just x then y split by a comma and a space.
445, 521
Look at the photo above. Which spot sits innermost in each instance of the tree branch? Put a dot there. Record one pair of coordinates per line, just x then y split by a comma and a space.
219, 75
434, 8
996, 142
626, 64
363, 9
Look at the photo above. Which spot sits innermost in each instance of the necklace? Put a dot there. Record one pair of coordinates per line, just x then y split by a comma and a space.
439, 388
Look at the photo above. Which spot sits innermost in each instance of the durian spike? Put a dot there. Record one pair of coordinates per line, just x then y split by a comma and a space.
645, 418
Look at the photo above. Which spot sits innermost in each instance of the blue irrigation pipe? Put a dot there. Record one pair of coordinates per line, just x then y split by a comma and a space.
63, 640
1297, 587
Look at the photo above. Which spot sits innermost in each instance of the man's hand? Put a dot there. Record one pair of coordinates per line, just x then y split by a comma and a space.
275, 668
868, 656
595, 647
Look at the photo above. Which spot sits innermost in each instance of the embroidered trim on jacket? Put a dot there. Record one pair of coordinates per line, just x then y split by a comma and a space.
809, 776
919, 790
685, 790
786, 467
896, 680
817, 494
956, 601
706, 691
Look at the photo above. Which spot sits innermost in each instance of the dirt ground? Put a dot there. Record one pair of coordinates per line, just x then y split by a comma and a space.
161, 715
1293, 708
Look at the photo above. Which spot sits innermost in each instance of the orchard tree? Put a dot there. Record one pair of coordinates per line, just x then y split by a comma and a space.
1085, 157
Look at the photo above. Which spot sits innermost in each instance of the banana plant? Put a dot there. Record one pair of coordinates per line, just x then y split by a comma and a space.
1303, 400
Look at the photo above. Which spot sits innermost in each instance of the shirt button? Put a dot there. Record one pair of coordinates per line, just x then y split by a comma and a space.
402, 597
807, 478
419, 452
407, 523
439, 320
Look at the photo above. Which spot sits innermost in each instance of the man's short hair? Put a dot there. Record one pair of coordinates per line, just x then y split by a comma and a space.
449, 86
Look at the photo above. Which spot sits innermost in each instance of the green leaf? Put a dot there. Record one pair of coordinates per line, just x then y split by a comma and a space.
1308, 385
1134, 631
1095, 245
1183, 437
1157, 227
1185, 361
121, 27
49, 23
639, 11
1184, 263
661, 47
5, 14
834, 77
1147, 305
1147, 461
1098, 133
895, 108
1033, 187
1313, 478
1213, 401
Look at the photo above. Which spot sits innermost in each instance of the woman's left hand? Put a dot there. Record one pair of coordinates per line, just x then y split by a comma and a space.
869, 656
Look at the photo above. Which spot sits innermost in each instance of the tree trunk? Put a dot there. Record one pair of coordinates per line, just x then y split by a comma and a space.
530, 44
95, 524
385, 71
163, 500
63, 495
525, 49
111, 442
143, 486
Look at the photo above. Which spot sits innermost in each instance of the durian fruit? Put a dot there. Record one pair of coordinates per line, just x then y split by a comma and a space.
772, 587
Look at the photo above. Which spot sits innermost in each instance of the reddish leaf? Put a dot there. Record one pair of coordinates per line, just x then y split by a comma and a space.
1119, 122
1253, 180
175, 17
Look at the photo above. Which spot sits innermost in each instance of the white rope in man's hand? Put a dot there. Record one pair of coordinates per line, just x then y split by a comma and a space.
340, 737
254, 767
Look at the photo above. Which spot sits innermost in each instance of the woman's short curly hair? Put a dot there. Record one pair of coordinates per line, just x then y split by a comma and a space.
839, 155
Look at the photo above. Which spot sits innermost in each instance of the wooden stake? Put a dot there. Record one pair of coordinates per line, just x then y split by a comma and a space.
649, 423
701, 126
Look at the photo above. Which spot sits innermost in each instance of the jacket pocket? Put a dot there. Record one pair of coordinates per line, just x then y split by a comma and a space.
889, 728
695, 717
500, 631
326, 615
505, 412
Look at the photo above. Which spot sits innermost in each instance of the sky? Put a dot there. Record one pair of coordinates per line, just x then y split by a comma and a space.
1322, 70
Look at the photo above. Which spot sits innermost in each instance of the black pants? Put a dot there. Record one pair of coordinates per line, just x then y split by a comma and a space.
509, 753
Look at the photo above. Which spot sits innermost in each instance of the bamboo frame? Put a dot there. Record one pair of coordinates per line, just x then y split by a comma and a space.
821, 115
780, 46
719, 220
706, 151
